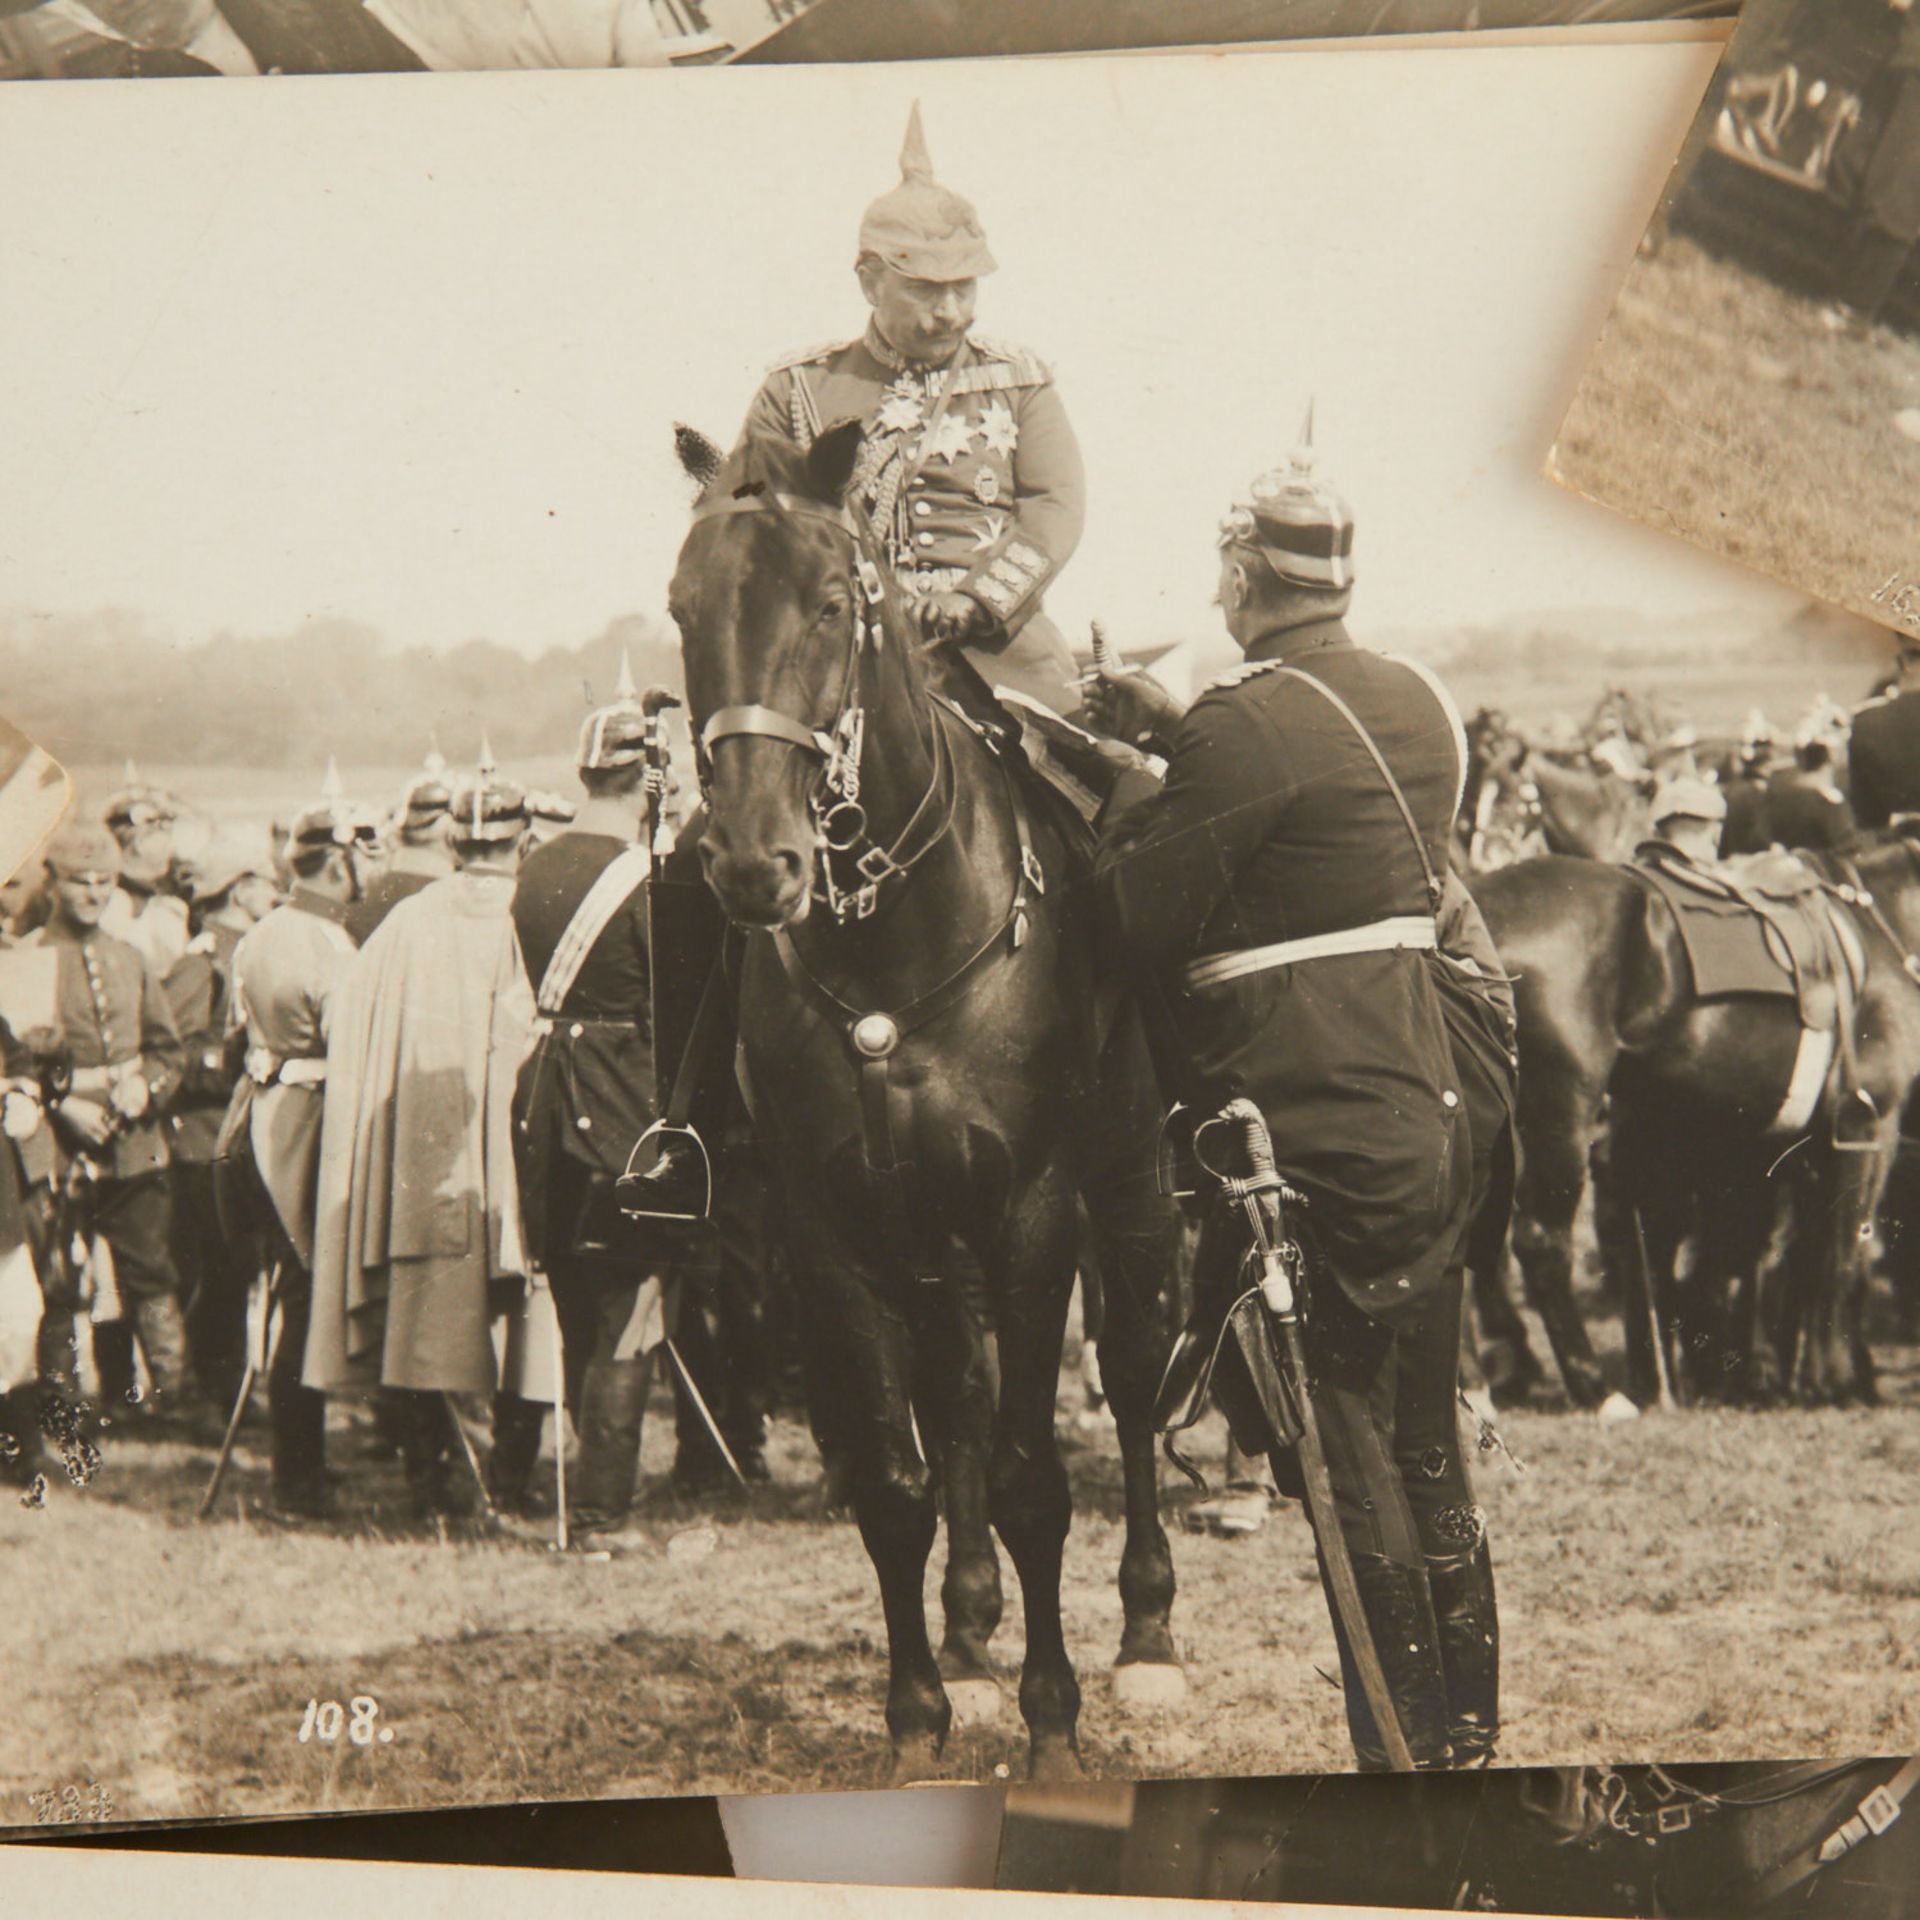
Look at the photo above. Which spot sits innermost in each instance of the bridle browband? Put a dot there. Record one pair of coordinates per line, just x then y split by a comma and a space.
833, 801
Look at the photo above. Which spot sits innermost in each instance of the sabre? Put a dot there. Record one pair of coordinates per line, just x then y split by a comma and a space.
561, 1541
1258, 1196
653, 703
256, 1365
1105, 661
700, 1407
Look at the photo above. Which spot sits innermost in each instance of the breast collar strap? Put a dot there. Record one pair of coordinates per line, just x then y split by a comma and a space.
873, 1035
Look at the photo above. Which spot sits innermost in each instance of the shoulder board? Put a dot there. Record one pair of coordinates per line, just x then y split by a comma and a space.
1872, 700
200, 943
1239, 676
1017, 366
808, 356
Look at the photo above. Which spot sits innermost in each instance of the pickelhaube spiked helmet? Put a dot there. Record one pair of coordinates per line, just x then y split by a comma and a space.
428, 794
615, 735
332, 821
489, 809
921, 228
1297, 521
138, 803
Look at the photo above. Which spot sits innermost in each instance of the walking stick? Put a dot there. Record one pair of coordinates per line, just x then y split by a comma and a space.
1649, 1308
256, 1365
1257, 1197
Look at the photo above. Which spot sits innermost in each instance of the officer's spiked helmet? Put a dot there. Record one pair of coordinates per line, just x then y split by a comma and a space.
488, 810
1296, 522
80, 851
332, 821
136, 805
921, 228
427, 798
615, 735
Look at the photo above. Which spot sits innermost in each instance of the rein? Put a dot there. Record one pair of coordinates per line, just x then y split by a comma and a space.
833, 801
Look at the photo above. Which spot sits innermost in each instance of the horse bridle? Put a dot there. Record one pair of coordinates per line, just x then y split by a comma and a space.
833, 800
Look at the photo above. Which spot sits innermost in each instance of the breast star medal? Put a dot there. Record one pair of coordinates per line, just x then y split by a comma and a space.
949, 440
901, 411
999, 428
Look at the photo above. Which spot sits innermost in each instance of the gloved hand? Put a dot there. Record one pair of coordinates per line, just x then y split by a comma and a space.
1131, 705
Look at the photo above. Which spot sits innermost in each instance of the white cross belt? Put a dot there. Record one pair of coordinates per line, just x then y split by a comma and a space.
1406, 930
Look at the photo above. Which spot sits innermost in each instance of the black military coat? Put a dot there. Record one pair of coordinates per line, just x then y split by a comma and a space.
1275, 824
1885, 760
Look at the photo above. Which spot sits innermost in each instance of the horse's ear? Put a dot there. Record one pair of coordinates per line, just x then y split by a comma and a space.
830, 461
698, 455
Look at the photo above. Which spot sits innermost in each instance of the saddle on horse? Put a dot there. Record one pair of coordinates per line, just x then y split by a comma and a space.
1767, 924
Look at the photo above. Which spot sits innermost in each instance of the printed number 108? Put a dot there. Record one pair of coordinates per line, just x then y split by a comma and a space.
325, 1719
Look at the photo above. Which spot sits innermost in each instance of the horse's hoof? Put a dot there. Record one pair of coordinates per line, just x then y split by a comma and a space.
915, 1759
976, 1703
1149, 1686
1615, 1408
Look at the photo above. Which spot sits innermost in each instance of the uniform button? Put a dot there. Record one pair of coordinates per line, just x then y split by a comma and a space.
575, 1031
1449, 1098
923, 507
584, 1123
924, 538
1403, 1282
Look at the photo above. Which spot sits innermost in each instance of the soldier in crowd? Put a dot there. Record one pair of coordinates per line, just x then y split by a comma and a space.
586, 1094
421, 857
147, 911
1689, 817
1806, 803
233, 891
114, 1059
417, 1244
285, 974
1279, 896
1884, 756
1745, 788
969, 476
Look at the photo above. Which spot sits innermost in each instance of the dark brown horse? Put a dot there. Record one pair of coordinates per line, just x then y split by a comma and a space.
1607, 1011
923, 1052
1520, 798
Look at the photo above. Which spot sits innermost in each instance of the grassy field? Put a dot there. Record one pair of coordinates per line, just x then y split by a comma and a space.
1716, 408
1687, 1587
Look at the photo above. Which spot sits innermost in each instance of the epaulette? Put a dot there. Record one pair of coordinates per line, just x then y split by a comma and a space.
1007, 366
808, 356
1871, 701
1238, 676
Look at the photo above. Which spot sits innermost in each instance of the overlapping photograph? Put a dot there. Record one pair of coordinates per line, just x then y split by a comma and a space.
831, 882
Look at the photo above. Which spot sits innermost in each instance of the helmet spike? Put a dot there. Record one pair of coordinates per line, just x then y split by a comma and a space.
624, 690
916, 163
1303, 447
330, 787
436, 762
486, 762
131, 772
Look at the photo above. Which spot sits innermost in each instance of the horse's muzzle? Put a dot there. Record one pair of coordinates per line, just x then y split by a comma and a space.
767, 888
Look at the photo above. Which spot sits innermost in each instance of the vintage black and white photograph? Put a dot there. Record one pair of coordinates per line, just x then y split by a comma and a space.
761, 1056
1753, 1838
1757, 387
160, 39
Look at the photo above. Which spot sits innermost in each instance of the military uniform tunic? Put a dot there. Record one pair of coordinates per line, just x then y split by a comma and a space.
1275, 825
988, 500
1884, 760
586, 1093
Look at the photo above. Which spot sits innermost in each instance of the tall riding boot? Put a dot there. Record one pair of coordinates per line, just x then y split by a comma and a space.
297, 1425
426, 1452
113, 1366
517, 1425
1469, 1622
161, 1326
613, 1401
1398, 1604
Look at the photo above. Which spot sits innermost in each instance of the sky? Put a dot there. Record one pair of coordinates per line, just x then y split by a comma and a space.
408, 349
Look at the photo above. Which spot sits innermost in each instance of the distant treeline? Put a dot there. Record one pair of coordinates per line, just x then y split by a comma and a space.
99, 688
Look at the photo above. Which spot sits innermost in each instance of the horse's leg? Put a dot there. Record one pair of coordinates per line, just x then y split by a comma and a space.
891, 1487
1851, 1180
1031, 1504
1506, 1358
954, 1390
1137, 1234
1554, 1130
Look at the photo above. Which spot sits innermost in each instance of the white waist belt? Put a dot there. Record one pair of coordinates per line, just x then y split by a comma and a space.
1410, 930
303, 1073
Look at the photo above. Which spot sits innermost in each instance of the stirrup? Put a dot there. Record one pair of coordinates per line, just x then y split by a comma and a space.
633, 1190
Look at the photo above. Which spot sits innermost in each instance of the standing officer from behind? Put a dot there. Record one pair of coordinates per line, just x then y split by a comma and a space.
1884, 758
119, 1058
1278, 896
586, 1094
285, 972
